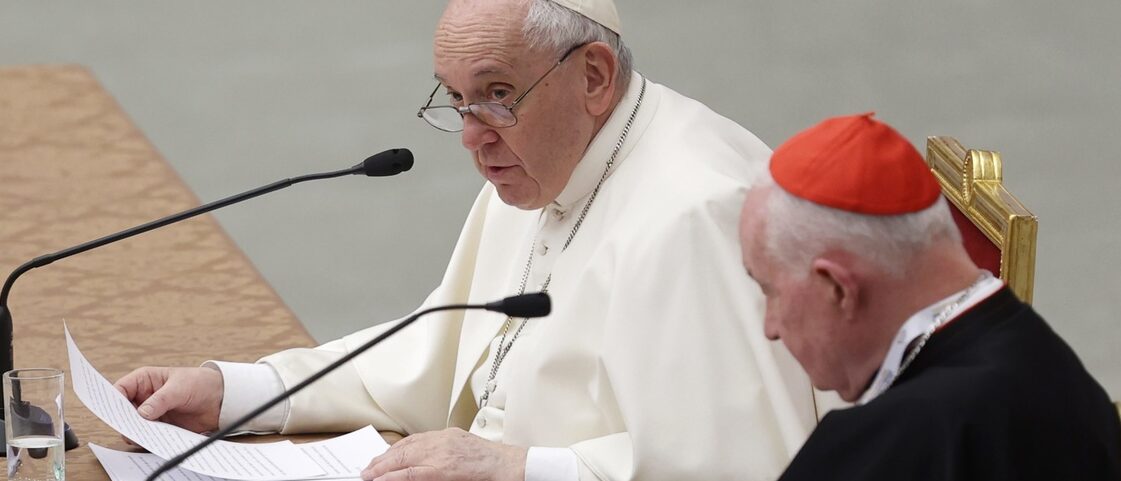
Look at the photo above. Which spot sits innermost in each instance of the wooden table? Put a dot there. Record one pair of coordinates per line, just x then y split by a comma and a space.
74, 168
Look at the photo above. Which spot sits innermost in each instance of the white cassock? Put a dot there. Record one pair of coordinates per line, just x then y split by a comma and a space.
653, 364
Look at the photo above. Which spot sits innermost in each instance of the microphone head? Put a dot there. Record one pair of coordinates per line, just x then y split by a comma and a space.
535, 304
390, 162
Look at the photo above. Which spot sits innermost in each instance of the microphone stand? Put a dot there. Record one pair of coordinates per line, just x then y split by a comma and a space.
537, 303
390, 162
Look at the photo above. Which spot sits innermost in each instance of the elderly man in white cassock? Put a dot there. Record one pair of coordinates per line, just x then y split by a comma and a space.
618, 196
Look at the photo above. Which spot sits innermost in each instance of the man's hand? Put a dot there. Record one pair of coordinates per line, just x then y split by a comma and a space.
451, 454
189, 397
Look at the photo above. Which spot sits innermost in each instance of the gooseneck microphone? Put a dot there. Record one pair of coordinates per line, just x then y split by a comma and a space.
525, 305
390, 162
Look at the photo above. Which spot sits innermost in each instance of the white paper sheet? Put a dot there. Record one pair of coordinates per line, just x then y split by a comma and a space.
342, 458
223, 459
347, 455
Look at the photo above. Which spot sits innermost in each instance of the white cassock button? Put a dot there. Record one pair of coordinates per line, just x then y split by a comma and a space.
558, 214
543, 249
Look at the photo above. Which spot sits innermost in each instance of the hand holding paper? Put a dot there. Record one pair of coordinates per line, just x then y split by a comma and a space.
187, 397
224, 459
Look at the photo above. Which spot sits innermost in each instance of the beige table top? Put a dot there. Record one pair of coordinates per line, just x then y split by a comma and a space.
74, 168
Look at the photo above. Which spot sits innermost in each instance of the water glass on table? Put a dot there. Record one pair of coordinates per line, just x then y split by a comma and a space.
34, 424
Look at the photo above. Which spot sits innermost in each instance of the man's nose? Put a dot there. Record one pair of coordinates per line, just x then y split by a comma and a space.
476, 134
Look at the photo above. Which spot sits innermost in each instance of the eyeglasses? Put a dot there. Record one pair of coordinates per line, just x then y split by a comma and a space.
449, 118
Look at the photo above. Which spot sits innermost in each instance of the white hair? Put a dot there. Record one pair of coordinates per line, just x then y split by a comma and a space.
552, 27
797, 231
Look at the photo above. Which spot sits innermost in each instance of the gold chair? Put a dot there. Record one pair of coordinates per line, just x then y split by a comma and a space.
998, 231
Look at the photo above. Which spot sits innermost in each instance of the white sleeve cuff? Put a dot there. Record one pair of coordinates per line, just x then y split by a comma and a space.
551, 464
244, 388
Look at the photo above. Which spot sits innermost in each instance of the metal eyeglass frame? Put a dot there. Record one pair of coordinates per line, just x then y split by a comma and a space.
495, 106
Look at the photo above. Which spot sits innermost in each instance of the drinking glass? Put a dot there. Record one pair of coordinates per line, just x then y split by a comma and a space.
34, 423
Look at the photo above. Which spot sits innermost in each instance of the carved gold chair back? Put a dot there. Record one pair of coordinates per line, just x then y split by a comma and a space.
997, 230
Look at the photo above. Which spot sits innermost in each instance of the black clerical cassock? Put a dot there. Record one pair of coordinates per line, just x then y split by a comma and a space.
996, 395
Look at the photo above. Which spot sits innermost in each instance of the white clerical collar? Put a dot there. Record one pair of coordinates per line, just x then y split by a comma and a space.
923, 321
588, 172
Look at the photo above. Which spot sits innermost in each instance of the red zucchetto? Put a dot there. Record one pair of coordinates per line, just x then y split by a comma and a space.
857, 164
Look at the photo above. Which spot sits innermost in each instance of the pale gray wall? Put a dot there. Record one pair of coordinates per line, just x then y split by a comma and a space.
237, 94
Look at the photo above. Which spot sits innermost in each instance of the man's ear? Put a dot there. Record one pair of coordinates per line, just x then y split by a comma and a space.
601, 78
839, 285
